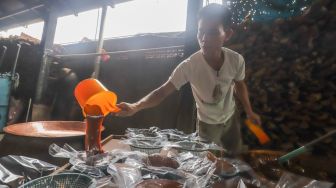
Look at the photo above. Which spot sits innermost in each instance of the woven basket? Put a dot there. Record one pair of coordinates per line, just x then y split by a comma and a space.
66, 180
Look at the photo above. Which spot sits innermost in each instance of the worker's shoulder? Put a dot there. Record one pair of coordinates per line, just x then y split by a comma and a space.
233, 58
195, 56
231, 53
193, 59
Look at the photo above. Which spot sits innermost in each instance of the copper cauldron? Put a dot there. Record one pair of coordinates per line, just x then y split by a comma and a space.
33, 139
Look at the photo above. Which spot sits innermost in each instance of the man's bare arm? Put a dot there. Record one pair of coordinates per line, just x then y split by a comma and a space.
243, 96
152, 99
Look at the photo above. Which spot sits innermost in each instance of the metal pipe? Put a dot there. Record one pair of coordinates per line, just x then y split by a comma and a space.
3, 55
21, 12
28, 109
116, 52
304, 148
16, 60
100, 42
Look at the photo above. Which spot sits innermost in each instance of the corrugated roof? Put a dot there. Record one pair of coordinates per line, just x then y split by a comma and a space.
15, 13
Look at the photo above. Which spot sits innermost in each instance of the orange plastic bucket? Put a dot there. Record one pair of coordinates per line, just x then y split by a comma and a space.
94, 98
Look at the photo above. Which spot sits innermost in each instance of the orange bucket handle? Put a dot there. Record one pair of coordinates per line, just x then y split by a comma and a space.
263, 138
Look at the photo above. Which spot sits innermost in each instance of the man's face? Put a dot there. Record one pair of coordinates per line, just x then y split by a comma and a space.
211, 36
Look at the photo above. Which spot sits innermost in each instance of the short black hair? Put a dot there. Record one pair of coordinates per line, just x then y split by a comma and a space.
215, 11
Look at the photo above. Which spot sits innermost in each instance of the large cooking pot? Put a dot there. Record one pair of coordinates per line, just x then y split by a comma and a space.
316, 167
33, 139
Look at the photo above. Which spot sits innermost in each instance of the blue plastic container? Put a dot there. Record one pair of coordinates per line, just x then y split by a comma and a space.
5, 87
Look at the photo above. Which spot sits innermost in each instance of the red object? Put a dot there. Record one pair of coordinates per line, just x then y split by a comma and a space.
93, 135
104, 57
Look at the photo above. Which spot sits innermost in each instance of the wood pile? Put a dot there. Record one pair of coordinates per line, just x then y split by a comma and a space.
290, 72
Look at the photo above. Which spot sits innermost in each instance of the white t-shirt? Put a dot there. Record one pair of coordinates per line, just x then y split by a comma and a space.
203, 80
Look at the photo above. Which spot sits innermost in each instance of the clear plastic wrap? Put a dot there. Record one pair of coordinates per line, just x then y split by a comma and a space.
231, 183
15, 170
197, 165
96, 165
131, 158
89, 170
159, 160
65, 152
123, 156
77, 157
150, 140
100, 161
151, 172
190, 146
206, 170
174, 135
159, 183
194, 147
170, 134
290, 180
228, 167
250, 178
91, 165
138, 159
152, 132
231, 168
147, 145
7, 177
199, 168
188, 163
203, 180
106, 182
124, 176
216, 150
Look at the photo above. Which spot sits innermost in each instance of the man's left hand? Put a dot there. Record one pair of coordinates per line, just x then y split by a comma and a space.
255, 118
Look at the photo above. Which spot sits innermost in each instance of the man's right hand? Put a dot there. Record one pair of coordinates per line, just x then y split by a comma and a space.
127, 109
152, 99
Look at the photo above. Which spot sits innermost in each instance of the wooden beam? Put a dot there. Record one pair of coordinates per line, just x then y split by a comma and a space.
22, 11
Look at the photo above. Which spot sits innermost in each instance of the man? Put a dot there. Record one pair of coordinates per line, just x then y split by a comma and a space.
214, 74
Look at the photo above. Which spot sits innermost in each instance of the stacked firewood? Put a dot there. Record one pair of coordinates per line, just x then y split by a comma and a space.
290, 67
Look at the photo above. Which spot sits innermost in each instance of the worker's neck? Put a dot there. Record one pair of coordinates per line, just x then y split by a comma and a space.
215, 59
